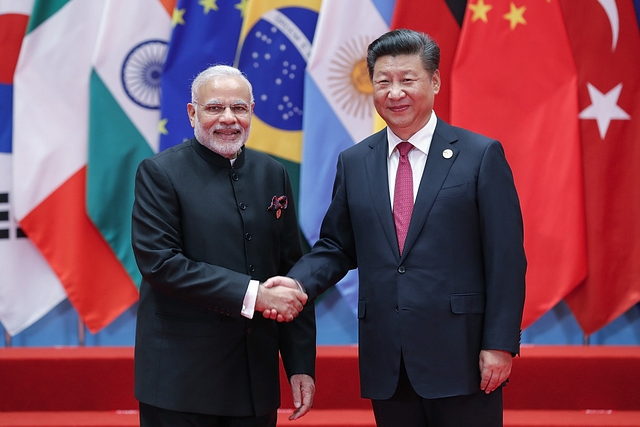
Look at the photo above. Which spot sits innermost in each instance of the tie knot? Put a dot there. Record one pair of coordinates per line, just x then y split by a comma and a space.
404, 147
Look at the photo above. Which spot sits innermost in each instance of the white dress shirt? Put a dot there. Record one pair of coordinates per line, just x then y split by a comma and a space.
421, 140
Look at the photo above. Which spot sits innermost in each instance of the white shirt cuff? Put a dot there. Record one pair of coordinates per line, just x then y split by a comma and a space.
249, 302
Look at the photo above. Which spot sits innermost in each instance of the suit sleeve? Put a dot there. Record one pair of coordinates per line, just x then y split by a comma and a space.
501, 228
158, 248
334, 254
297, 340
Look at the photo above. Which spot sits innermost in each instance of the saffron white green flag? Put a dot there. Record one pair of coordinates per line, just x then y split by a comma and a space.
124, 111
51, 107
338, 105
28, 287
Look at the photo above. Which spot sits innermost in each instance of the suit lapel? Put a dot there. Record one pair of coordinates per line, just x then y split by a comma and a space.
377, 176
435, 172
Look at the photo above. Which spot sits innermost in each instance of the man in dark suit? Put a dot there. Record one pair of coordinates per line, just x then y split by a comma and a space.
435, 228
211, 220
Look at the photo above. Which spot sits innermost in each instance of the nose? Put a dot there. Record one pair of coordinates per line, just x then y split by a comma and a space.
396, 91
227, 116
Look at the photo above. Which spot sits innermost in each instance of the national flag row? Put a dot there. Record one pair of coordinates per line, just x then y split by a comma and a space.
95, 86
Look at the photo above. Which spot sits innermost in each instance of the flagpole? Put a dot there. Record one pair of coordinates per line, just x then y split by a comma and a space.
586, 339
7, 339
81, 334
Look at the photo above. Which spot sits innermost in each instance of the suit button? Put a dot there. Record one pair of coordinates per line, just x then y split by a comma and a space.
242, 206
249, 331
248, 236
401, 269
252, 268
234, 176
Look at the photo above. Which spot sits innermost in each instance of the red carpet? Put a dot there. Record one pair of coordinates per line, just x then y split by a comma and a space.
551, 386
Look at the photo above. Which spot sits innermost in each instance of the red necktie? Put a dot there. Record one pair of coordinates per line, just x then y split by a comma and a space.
403, 194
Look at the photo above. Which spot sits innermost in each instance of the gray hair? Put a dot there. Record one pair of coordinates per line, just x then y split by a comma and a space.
405, 42
214, 72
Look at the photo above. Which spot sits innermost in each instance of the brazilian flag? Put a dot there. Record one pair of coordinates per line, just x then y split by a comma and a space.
274, 47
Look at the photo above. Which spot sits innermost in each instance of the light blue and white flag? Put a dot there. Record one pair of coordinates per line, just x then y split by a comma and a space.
338, 106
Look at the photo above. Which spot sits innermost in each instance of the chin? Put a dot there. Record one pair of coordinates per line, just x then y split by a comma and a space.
226, 148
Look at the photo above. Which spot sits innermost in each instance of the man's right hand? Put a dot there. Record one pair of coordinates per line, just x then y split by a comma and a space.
278, 281
285, 300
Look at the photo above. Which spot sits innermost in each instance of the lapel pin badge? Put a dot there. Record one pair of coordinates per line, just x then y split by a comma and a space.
278, 204
448, 153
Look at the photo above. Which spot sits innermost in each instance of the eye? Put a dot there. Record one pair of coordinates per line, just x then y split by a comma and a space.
239, 109
213, 108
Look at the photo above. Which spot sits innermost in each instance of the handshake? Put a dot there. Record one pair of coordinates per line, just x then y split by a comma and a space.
280, 298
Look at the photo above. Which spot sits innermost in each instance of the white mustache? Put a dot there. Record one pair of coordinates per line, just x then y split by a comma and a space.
227, 128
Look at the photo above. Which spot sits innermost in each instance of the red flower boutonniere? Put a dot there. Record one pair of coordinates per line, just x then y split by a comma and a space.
278, 204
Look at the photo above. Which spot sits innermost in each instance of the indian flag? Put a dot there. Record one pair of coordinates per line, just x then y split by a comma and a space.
124, 112
51, 125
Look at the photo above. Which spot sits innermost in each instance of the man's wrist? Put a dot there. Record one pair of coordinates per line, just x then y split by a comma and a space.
250, 297
300, 285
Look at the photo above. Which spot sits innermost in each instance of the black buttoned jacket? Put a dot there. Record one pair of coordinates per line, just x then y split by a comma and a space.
201, 231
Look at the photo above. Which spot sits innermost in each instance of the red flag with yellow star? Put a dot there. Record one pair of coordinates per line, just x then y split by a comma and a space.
441, 19
514, 79
608, 60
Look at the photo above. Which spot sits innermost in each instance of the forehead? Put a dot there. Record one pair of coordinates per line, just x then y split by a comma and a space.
398, 64
229, 88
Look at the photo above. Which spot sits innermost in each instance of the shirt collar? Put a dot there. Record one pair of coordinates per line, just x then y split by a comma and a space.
421, 139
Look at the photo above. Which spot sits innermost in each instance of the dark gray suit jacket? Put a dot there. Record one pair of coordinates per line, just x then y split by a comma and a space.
459, 285
201, 231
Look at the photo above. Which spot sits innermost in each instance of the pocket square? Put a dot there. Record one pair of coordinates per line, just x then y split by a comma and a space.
278, 204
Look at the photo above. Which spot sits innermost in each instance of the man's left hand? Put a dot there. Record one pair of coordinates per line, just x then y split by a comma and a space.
495, 368
303, 388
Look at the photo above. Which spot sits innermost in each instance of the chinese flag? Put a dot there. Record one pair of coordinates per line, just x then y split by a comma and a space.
514, 79
607, 54
441, 20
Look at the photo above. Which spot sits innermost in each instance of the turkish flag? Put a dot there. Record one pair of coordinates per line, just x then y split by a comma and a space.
441, 20
607, 54
514, 79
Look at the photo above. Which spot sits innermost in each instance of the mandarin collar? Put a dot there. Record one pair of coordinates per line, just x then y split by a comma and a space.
215, 158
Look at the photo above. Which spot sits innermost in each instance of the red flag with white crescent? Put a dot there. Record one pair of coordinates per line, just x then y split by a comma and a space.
607, 55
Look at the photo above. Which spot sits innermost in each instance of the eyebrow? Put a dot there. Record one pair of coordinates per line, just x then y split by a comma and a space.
218, 102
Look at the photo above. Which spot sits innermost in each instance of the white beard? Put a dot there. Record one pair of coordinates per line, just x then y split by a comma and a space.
225, 149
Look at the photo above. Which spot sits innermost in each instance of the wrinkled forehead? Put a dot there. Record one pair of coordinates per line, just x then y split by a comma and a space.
225, 90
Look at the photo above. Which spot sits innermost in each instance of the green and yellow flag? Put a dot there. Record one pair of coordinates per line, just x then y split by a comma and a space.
275, 45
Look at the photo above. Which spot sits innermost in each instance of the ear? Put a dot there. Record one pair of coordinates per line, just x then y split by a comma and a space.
435, 81
191, 111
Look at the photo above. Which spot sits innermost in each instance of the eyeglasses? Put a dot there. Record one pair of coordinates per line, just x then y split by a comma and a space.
237, 109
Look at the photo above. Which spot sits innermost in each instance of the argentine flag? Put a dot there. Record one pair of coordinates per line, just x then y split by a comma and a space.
338, 106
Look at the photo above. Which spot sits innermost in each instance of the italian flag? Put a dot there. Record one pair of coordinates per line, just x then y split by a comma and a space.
28, 287
51, 140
